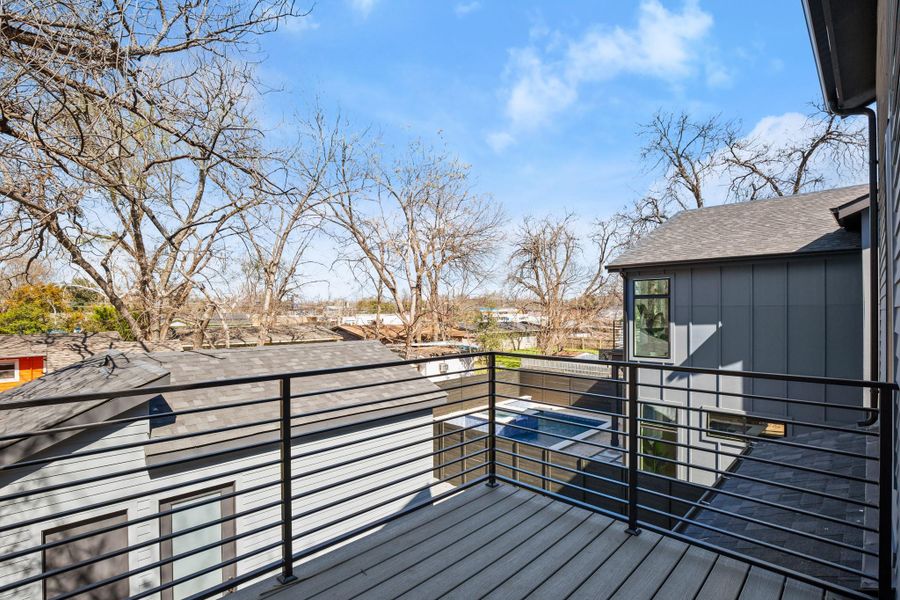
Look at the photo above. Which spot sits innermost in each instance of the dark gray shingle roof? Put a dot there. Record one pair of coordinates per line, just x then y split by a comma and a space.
116, 371
830, 507
801, 224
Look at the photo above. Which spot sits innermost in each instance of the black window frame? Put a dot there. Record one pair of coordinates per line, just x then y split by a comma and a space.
634, 298
718, 434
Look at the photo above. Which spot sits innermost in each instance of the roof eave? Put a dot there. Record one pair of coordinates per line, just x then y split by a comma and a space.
620, 268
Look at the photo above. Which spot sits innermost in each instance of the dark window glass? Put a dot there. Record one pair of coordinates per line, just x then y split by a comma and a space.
658, 443
651, 318
724, 423
83, 549
8, 370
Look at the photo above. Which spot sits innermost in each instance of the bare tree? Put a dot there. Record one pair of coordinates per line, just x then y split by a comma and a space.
415, 223
695, 158
545, 264
126, 141
278, 231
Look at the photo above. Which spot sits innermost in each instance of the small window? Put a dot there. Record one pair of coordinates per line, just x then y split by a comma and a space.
9, 370
444, 368
721, 424
658, 450
83, 549
207, 512
650, 314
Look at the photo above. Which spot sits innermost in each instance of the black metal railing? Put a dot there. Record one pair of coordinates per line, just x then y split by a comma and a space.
794, 475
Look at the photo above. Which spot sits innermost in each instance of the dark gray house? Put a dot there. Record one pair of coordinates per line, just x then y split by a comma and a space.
771, 285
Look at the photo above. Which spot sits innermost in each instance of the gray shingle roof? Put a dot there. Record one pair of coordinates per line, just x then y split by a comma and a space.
801, 224
835, 486
61, 349
118, 371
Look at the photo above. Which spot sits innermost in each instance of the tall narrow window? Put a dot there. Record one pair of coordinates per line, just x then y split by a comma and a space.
203, 510
658, 440
650, 314
82, 549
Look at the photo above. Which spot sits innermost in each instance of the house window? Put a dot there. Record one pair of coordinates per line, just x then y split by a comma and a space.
658, 440
651, 331
720, 424
83, 549
9, 370
197, 515
443, 368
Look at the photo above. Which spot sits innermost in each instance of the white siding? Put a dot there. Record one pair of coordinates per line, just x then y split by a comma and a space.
48, 504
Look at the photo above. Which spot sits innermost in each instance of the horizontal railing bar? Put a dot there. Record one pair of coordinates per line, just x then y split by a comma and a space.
779, 418
594, 411
559, 435
382, 469
564, 391
356, 459
752, 396
229, 584
756, 438
371, 384
387, 519
139, 495
130, 445
769, 503
354, 442
710, 507
118, 552
568, 484
502, 408
778, 484
556, 466
693, 541
126, 420
567, 499
356, 424
750, 458
385, 502
707, 371
200, 385
149, 467
139, 520
360, 494
746, 558
165, 561
560, 374
215, 567
745, 538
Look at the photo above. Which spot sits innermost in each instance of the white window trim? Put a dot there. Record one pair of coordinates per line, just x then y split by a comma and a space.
15, 363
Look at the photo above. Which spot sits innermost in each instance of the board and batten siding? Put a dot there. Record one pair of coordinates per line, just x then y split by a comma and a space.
800, 316
149, 483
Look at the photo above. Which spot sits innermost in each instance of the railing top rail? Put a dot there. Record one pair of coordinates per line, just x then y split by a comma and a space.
215, 383
710, 371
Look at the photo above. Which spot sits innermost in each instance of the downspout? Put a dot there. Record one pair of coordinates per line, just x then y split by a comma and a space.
874, 374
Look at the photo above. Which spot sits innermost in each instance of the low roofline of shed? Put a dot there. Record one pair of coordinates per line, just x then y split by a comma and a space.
617, 268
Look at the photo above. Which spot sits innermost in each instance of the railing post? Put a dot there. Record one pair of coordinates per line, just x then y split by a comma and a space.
492, 421
632, 450
287, 525
884, 399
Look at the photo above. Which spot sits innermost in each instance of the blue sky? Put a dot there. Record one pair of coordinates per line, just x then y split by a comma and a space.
541, 98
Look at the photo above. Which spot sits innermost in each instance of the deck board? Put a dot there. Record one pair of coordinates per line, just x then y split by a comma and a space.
510, 544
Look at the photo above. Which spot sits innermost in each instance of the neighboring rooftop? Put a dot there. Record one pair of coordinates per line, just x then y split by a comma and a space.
117, 371
748, 478
61, 349
244, 336
791, 225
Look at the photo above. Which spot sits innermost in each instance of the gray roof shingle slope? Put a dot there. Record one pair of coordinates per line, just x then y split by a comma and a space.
117, 371
61, 349
798, 224
835, 486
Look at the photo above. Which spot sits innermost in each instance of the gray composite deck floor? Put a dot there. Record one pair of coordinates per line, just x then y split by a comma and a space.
508, 543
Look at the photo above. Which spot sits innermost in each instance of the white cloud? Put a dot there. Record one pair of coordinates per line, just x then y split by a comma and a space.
500, 140
363, 7
300, 25
464, 8
663, 45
